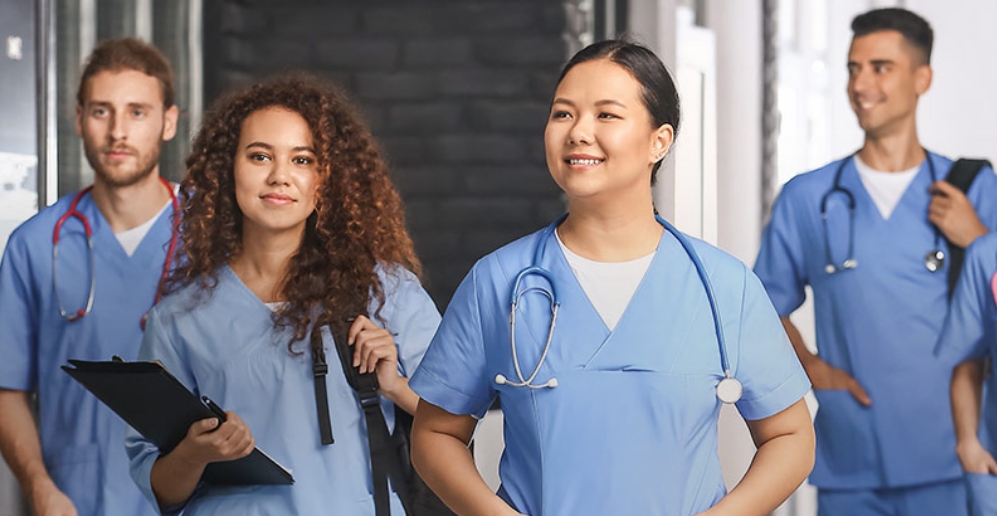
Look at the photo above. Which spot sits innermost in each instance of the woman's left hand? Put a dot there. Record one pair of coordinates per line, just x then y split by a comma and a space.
375, 351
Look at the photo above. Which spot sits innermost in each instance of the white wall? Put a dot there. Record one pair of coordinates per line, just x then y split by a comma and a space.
958, 115
738, 30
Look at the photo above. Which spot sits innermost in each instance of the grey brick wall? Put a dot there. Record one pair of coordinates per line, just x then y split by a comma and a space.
456, 92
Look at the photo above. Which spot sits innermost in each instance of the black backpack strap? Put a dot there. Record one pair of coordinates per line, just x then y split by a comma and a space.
964, 172
384, 463
319, 371
961, 175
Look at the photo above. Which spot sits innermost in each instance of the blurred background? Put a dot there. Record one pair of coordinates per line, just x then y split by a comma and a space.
457, 93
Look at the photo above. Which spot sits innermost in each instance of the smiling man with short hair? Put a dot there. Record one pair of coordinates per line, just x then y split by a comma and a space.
868, 233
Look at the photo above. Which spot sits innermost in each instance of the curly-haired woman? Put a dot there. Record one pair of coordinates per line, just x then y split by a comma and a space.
293, 233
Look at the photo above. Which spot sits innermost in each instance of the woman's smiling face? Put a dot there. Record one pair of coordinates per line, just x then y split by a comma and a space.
276, 171
600, 137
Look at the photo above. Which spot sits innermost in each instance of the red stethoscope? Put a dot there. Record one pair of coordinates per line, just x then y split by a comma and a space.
73, 212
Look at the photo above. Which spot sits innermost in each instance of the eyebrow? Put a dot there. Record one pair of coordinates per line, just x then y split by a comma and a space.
267, 146
108, 104
598, 103
873, 62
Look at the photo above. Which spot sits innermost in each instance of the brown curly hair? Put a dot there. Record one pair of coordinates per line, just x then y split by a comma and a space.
358, 223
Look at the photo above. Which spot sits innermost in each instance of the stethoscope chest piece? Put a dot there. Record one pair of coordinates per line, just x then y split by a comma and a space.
729, 390
850, 263
934, 260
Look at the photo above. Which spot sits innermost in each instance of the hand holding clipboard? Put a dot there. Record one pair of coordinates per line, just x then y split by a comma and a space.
221, 437
160, 408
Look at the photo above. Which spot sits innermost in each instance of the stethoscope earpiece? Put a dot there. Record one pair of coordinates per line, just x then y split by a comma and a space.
500, 379
934, 260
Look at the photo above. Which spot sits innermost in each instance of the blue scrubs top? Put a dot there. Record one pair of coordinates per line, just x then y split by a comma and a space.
631, 427
224, 346
970, 330
878, 322
81, 438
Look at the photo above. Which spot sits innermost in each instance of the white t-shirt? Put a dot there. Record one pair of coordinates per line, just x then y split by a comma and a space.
608, 285
885, 188
131, 238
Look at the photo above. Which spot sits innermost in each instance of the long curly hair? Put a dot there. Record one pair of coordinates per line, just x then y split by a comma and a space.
358, 223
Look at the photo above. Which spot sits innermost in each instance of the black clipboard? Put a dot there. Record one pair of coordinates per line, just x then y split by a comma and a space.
159, 407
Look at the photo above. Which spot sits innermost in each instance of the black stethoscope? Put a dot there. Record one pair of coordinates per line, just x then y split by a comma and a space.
729, 389
934, 260
72, 212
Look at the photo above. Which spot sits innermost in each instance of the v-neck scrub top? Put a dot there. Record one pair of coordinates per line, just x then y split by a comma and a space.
82, 440
878, 322
631, 427
223, 344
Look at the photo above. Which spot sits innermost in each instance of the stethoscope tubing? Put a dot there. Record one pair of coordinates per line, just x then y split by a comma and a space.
73, 212
710, 295
850, 263
536, 269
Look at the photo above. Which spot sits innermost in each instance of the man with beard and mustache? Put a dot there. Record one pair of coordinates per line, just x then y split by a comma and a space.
88, 302
868, 234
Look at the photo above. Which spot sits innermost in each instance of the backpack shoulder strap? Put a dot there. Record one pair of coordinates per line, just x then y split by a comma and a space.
384, 463
961, 175
964, 172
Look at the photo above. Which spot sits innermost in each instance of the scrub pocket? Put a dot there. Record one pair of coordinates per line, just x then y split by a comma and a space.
76, 471
845, 441
982, 494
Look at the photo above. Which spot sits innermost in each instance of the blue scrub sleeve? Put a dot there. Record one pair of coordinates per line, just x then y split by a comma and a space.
780, 262
962, 335
453, 374
18, 320
766, 364
410, 314
156, 345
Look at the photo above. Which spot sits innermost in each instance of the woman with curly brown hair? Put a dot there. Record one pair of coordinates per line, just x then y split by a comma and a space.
293, 239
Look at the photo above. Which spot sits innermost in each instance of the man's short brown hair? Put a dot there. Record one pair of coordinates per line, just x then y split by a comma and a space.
128, 54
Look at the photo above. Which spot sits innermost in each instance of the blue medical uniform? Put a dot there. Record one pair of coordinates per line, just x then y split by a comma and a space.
225, 346
970, 332
878, 322
81, 438
631, 427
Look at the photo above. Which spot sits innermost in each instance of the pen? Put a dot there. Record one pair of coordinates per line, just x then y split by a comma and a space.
219, 413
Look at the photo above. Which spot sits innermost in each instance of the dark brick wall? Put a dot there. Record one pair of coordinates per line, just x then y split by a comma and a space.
456, 92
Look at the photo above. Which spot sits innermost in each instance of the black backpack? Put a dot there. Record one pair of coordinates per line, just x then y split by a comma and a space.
961, 175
